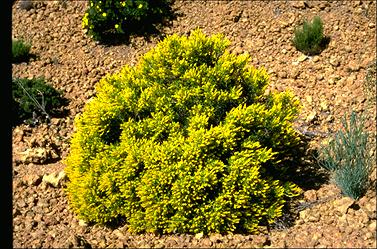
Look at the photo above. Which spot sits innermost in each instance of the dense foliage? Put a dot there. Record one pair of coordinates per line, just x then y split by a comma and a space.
34, 99
347, 158
20, 51
183, 142
105, 19
309, 38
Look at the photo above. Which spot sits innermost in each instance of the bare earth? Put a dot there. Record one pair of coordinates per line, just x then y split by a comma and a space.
328, 85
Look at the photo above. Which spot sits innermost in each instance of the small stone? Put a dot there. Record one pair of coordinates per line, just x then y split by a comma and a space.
323, 5
302, 58
372, 226
334, 61
315, 59
215, 238
82, 223
260, 241
55, 179
324, 106
237, 50
282, 75
199, 236
336, 27
311, 117
371, 25
309, 99
32, 180
348, 49
310, 195
342, 205
283, 51
206, 242
298, 4
332, 81
353, 67
370, 209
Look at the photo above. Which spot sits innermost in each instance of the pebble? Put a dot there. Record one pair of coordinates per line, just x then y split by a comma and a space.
342, 205
312, 116
334, 61
310, 195
55, 179
315, 59
372, 226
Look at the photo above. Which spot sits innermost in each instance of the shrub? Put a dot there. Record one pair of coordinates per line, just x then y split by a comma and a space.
20, 51
346, 157
309, 39
105, 19
182, 143
34, 99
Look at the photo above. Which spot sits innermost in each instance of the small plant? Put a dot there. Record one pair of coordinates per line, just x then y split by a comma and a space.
184, 142
106, 19
34, 100
309, 39
346, 157
20, 51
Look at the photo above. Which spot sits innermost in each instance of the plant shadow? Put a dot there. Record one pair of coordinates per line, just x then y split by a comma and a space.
25, 59
304, 170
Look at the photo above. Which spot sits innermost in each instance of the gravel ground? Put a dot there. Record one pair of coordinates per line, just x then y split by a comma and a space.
328, 85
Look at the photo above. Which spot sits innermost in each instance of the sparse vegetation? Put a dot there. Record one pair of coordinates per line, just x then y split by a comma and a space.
309, 38
34, 100
106, 20
347, 158
20, 51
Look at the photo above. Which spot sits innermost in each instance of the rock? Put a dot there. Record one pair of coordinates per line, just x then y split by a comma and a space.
261, 241
323, 5
298, 4
216, 238
34, 155
78, 241
310, 195
348, 49
309, 99
198, 236
282, 75
32, 180
206, 242
54, 179
370, 209
82, 223
371, 25
372, 226
311, 117
353, 66
324, 106
302, 58
315, 58
334, 61
342, 205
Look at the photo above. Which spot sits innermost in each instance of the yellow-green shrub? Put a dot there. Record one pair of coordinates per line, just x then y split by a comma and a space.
182, 142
